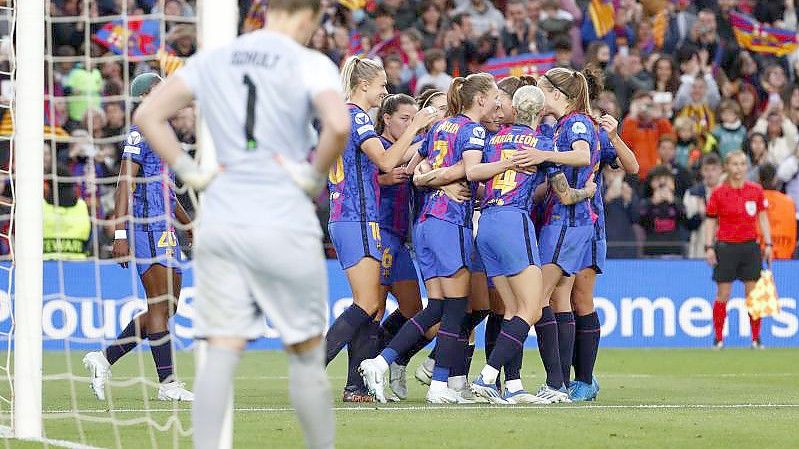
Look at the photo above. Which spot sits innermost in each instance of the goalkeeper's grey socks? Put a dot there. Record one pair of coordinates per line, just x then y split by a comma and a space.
211, 393
309, 390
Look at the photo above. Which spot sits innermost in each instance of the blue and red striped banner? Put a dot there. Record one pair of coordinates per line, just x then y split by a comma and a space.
753, 35
524, 64
143, 37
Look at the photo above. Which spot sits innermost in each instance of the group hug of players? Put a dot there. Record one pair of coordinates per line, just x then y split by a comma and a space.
521, 154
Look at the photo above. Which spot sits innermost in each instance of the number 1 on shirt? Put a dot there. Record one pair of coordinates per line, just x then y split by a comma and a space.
249, 124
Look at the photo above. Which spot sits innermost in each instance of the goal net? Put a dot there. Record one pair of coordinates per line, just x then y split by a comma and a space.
92, 52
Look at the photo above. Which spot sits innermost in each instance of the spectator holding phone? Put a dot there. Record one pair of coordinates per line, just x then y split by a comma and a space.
683, 177
663, 216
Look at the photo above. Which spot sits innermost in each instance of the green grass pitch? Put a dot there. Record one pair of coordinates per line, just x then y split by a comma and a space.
654, 398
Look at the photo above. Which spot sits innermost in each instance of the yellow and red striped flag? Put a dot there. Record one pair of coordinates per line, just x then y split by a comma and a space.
603, 16
169, 62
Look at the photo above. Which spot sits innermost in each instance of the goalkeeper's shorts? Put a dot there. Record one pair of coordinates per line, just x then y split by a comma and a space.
245, 276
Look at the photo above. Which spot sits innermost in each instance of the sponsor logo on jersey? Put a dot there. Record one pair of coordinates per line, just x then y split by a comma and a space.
134, 138
364, 129
579, 128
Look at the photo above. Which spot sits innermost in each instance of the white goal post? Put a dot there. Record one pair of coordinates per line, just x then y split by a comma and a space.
218, 24
225, 18
28, 154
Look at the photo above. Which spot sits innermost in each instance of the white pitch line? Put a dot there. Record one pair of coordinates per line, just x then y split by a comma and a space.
600, 375
450, 407
125, 381
5, 432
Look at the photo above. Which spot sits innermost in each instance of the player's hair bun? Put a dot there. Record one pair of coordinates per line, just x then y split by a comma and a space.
528, 102
529, 99
595, 79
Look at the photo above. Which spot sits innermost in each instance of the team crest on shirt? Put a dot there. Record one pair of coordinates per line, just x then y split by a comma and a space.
361, 118
751, 208
478, 136
132, 143
579, 128
134, 138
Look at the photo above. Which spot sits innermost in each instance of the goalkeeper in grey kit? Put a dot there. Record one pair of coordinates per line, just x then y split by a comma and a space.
258, 249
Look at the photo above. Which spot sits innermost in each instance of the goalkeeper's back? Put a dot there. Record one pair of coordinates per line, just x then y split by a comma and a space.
256, 96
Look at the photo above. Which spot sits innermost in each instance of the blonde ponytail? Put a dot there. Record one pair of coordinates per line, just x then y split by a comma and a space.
454, 103
355, 70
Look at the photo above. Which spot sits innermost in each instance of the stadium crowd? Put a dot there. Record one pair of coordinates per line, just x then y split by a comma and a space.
684, 92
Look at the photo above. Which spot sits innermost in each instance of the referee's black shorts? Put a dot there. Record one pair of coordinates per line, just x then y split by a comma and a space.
741, 261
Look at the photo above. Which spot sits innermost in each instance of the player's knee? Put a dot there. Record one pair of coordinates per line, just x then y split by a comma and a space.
534, 316
582, 304
157, 322
410, 308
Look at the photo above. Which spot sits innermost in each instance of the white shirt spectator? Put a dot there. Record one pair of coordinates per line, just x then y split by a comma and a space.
485, 17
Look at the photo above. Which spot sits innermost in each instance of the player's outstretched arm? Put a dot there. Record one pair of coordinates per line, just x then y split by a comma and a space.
440, 176
402, 150
579, 156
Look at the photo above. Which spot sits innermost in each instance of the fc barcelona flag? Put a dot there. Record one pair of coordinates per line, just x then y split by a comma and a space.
600, 18
524, 64
753, 35
143, 37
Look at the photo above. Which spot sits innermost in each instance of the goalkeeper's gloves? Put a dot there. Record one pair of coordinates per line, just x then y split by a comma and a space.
304, 175
192, 174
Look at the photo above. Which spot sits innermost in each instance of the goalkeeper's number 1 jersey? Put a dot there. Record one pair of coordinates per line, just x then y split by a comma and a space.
256, 96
